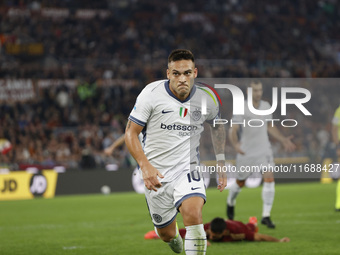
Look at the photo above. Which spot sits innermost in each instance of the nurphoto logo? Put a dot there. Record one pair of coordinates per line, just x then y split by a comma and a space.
239, 105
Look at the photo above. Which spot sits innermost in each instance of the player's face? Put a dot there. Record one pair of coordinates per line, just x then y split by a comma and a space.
257, 92
181, 75
215, 236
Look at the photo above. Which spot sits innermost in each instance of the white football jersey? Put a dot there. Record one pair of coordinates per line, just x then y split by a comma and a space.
172, 128
254, 136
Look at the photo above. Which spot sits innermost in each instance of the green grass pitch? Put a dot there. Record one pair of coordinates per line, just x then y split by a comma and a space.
116, 223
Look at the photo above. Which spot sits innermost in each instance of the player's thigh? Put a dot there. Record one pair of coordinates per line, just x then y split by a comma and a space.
243, 170
161, 205
268, 176
191, 210
264, 165
189, 193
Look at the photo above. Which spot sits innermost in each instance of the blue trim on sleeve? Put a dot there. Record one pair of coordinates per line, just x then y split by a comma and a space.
210, 122
179, 202
137, 121
144, 136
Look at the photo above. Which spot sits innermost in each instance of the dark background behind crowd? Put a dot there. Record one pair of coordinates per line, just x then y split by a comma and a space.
101, 44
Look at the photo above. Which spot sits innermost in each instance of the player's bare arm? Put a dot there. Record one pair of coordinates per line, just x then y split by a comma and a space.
120, 141
234, 138
150, 173
218, 137
288, 145
238, 237
267, 238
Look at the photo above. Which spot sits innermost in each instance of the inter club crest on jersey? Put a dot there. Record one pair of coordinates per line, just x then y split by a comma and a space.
196, 115
183, 112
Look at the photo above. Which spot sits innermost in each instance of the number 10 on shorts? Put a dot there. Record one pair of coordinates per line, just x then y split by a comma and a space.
194, 176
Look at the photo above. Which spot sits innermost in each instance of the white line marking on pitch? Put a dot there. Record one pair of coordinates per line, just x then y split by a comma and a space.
72, 247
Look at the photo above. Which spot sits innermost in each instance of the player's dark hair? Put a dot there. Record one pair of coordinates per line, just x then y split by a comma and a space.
255, 82
218, 225
181, 54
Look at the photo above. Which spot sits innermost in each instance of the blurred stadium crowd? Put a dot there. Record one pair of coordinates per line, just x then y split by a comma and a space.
96, 41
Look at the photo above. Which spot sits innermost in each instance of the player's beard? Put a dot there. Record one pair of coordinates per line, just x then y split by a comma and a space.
256, 100
183, 90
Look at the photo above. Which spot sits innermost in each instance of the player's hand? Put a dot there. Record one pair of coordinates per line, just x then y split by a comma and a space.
150, 175
238, 149
108, 151
284, 240
288, 145
208, 243
222, 176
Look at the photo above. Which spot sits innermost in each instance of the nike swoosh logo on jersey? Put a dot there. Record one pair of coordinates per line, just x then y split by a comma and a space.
195, 188
166, 111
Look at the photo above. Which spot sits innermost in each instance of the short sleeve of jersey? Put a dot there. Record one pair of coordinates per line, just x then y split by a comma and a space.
266, 106
336, 118
212, 105
142, 108
206, 226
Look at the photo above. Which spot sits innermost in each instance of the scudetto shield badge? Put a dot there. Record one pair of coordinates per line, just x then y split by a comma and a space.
196, 115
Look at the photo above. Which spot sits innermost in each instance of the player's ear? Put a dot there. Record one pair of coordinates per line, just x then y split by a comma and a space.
195, 72
168, 73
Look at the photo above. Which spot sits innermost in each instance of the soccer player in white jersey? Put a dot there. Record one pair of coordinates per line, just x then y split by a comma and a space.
253, 149
168, 113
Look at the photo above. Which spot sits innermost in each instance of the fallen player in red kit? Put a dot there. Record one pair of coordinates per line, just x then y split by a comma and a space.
220, 230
